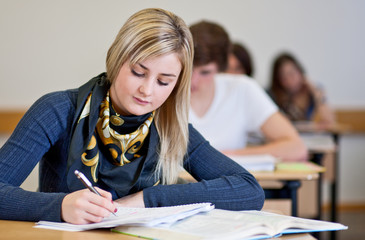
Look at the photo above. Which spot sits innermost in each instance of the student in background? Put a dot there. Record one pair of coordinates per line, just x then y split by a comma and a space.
295, 95
127, 130
226, 107
240, 61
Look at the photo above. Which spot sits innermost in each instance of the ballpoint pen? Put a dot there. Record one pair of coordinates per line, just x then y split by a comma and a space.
87, 184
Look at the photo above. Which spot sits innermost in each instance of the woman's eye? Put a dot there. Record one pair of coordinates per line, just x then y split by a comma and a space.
162, 83
137, 74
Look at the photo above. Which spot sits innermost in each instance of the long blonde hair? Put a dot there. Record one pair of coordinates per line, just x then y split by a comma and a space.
147, 34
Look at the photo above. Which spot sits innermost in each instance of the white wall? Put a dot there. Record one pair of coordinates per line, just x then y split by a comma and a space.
49, 45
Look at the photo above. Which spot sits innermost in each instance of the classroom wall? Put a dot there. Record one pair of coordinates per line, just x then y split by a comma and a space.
49, 45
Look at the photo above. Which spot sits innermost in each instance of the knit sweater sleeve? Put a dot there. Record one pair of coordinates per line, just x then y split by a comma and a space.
44, 124
221, 181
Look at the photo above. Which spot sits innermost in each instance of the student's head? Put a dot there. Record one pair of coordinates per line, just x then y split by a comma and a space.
287, 74
211, 48
149, 35
239, 61
154, 48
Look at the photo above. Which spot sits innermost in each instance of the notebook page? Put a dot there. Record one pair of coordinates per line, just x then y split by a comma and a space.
135, 216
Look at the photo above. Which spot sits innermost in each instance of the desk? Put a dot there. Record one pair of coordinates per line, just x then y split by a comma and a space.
17, 230
286, 173
313, 127
291, 175
319, 145
334, 130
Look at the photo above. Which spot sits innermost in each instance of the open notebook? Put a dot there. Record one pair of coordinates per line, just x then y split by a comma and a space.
136, 217
232, 225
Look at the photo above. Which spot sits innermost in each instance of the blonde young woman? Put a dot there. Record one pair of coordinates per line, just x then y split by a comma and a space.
127, 131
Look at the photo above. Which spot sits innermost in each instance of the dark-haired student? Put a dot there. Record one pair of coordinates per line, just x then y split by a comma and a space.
240, 61
297, 97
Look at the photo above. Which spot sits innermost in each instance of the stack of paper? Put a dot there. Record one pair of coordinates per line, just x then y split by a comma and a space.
254, 163
318, 142
136, 217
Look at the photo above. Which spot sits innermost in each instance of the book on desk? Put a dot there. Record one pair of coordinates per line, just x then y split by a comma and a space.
256, 162
269, 163
232, 225
199, 221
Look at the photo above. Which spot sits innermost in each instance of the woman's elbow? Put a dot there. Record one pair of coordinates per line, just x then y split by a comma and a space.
260, 199
254, 201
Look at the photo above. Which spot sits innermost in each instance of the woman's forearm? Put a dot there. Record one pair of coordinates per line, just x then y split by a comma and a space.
286, 150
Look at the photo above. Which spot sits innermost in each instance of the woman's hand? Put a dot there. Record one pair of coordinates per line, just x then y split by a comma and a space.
323, 113
317, 93
82, 207
133, 200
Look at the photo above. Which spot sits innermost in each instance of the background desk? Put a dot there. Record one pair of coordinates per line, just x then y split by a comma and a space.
313, 132
321, 147
17, 230
288, 175
322, 140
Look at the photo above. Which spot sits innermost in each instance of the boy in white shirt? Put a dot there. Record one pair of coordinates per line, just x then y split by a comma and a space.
225, 107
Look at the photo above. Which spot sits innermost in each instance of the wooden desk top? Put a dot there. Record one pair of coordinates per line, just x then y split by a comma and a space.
18, 230
284, 171
292, 171
313, 127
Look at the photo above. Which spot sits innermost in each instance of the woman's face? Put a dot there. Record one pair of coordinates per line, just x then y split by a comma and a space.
144, 87
290, 77
203, 75
234, 66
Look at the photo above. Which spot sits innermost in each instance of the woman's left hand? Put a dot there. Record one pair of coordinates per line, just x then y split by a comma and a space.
316, 92
133, 200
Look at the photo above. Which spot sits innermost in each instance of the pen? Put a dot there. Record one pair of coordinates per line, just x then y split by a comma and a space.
87, 183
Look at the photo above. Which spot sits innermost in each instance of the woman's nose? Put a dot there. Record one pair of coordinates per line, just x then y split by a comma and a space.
147, 87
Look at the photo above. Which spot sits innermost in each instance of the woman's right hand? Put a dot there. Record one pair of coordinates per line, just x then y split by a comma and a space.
83, 206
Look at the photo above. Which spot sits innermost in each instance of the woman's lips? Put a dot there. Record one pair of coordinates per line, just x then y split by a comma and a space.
141, 101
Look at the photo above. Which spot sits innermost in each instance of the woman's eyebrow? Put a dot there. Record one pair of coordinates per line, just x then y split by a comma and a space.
163, 74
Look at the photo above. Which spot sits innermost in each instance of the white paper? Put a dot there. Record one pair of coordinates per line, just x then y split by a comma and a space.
234, 225
256, 162
135, 216
222, 224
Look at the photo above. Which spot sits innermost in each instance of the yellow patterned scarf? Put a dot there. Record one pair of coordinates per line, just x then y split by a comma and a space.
118, 144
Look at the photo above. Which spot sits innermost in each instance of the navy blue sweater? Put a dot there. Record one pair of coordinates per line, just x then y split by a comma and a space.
43, 135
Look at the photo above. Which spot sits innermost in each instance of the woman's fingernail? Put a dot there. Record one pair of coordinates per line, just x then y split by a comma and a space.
115, 210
